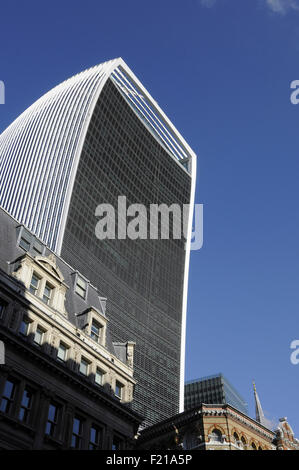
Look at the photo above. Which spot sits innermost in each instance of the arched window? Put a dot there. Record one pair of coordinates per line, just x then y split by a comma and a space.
236, 438
259, 448
243, 442
253, 446
216, 436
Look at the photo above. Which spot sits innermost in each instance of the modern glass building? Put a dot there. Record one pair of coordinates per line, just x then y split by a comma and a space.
214, 389
93, 138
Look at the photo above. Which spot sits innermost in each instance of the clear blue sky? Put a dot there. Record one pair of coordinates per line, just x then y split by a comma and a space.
221, 70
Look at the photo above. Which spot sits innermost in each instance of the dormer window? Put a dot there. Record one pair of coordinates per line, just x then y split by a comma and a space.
37, 249
34, 283
25, 242
94, 324
81, 287
47, 293
29, 242
95, 331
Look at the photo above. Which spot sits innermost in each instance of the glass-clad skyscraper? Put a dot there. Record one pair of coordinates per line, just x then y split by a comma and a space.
93, 138
213, 389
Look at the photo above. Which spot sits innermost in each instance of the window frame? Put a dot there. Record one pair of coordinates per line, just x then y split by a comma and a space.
97, 337
102, 372
43, 331
87, 363
55, 423
81, 286
32, 288
78, 436
9, 399
66, 349
27, 409
96, 445
48, 300
25, 320
119, 385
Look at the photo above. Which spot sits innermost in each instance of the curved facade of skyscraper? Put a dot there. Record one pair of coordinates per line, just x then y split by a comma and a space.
94, 137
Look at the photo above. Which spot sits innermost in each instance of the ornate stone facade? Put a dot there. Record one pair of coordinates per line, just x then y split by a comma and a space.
208, 427
63, 384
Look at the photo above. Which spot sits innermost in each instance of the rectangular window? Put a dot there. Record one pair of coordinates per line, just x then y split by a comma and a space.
37, 249
47, 293
118, 389
94, 438
34, 283
52, 420
8, 396
77, 434
84, 366
39, 335
81, 287
25, 406
25, 240
24, 327
95, 331
99, 377
62, 352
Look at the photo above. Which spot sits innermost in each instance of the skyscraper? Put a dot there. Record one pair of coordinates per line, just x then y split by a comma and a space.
93, 138
214, 389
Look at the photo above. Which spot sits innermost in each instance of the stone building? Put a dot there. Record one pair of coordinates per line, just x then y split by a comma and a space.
285, 439
208, 427
63, 382
218, 426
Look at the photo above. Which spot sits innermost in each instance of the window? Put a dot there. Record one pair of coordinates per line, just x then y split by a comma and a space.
47, 293
39, 334
25, 406
95, 331
25, 240
94, 438
8, 396
118, 389
34, 283
37, 249
99, 377
81, 287
62, 352
84, 366
243, 443
52, 420
24, 327
216, 436
77, 434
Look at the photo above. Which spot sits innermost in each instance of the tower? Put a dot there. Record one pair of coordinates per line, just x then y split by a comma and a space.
97, 136
259, 414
